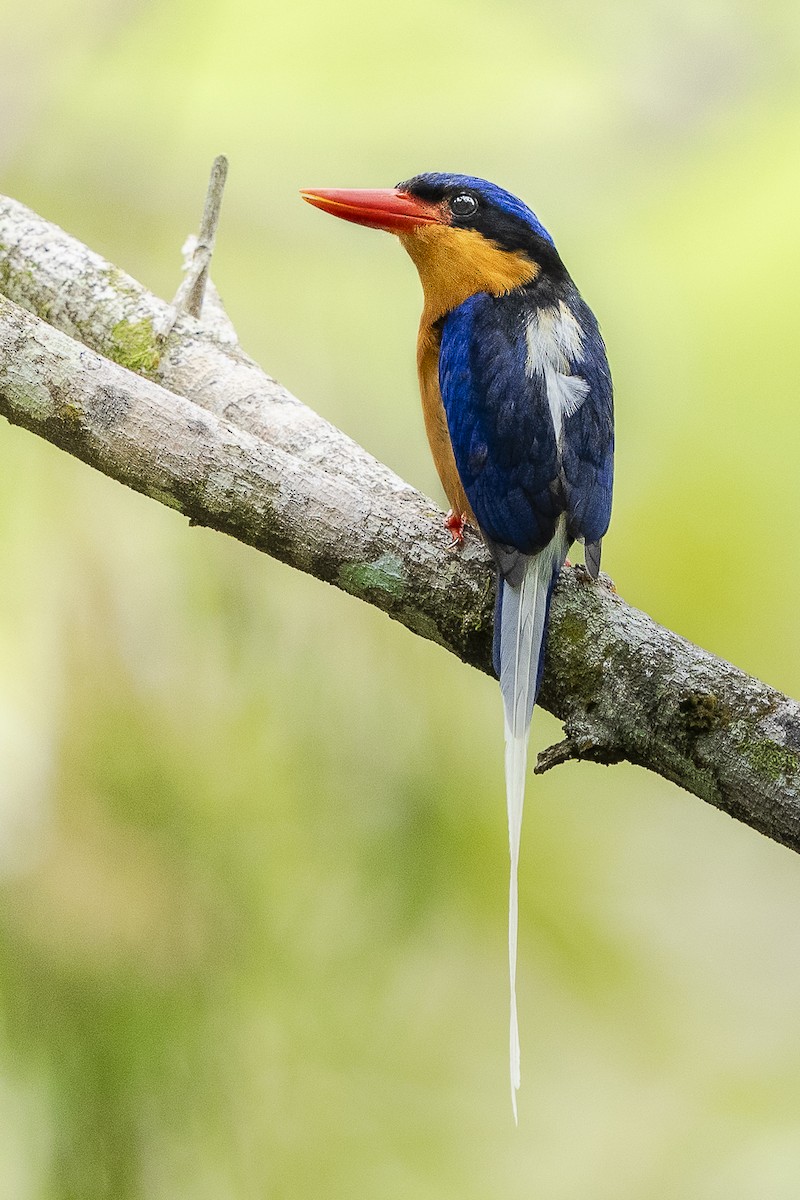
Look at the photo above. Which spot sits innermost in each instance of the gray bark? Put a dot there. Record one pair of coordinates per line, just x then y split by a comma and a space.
171, 406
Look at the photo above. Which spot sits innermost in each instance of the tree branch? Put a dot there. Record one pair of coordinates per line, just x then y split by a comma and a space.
187, 418
191, 293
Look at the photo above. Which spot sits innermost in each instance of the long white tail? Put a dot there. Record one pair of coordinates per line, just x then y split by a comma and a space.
522, 614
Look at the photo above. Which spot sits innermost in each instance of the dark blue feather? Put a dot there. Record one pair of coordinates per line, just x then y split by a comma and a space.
499, 422
587, 452
496, 199
517, 479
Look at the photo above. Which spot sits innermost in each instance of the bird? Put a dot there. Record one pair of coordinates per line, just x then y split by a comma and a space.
518, 408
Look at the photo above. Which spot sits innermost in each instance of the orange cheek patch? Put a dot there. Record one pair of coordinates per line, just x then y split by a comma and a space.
456, 263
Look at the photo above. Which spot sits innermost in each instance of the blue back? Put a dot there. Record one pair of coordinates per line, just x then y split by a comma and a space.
587, 452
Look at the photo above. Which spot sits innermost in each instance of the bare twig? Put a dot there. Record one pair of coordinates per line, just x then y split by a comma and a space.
189, 298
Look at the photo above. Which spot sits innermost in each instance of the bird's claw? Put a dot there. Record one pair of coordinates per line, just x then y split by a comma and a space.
455, 522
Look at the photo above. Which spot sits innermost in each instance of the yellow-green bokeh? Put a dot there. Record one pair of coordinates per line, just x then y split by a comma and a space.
252, 834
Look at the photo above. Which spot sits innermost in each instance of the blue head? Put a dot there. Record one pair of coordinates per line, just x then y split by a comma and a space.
484, 239
473, 203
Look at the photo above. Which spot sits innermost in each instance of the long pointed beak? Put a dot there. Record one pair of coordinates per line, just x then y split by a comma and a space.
382, 208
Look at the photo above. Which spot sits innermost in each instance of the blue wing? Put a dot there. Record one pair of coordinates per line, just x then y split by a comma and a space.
517, 477
500, 425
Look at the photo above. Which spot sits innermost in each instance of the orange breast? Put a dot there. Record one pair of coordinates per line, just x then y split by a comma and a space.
454, 264
436, 421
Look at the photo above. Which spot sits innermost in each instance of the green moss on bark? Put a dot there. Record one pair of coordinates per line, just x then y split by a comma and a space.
773, 761
385, 574
134, 345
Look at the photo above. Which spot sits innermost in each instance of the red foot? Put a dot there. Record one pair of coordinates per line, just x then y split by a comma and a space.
455, 522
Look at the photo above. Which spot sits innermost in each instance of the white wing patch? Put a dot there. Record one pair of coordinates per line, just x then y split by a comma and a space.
554, 342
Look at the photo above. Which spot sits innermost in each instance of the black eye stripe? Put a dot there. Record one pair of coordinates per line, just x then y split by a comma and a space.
463, 205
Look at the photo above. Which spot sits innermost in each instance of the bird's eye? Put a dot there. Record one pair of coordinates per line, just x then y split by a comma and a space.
463, 205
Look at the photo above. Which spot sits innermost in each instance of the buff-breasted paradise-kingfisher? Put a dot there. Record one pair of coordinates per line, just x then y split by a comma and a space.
517, 400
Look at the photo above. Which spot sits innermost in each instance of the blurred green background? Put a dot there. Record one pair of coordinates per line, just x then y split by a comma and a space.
252, 834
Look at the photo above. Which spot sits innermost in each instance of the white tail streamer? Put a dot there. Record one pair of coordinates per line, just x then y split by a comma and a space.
522, 629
